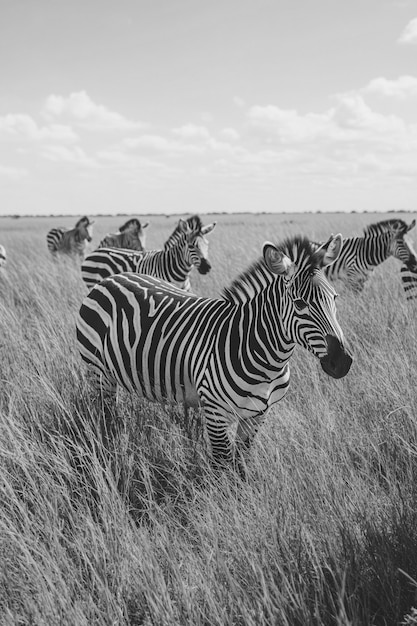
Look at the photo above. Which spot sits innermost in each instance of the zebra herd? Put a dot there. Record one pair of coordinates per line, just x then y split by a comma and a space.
142, 328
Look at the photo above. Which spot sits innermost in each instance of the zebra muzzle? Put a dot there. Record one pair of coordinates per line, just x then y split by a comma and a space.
337, 361
204, 267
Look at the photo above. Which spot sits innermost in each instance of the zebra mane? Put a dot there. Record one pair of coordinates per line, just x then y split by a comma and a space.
298, 249
194, 222
132, 222
82, 220
385, 226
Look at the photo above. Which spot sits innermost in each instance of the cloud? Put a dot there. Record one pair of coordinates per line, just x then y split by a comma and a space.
192, 132
12, 173
68, 154
22, 126
409, 34
350, 120
80, 109
400, 88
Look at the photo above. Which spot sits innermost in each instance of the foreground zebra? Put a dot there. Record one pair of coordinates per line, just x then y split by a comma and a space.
130, 236
230, 355
173, 264
70, 242
361, 255
2, 255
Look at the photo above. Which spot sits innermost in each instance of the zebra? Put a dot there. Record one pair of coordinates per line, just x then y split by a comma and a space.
175, 236
230, 356
2, 256
360, 255
130, 236
173, 264
70, 242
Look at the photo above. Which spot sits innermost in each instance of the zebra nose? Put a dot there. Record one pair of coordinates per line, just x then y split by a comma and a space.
337, 361
204, 267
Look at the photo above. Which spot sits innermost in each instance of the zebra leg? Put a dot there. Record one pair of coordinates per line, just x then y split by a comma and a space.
104, 400
245, 434
221, 445
357, 278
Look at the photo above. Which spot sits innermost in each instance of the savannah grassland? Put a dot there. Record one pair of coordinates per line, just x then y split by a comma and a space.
323, 531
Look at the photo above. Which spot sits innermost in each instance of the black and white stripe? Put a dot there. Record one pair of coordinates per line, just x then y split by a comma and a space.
361, 255
72, 241
130, 236
409, 282
3, 256
230, 355
172, 264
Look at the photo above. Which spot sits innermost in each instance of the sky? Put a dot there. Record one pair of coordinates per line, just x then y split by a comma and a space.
199, 106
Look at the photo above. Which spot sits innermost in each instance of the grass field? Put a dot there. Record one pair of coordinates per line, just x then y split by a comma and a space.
324, 530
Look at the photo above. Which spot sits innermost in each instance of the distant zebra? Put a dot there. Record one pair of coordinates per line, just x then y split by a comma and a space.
70, 242
360, 255
193, 222
130, 236
173, 264
2, 255
229, 355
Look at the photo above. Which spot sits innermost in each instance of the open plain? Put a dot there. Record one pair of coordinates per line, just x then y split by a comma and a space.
324, 529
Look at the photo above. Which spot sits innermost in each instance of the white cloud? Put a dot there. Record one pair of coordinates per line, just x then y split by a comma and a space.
402, 87
230, 134
23, 126
81, 109
192, 132
12, 173
409, 34
353, 113
68, 154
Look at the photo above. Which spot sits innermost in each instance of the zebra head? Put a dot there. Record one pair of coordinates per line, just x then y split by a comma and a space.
308, 300
196, 243
401, 246
84, 229
135, 228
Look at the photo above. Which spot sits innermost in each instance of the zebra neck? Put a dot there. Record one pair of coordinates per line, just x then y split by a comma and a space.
256, 329
175, 263
377, 248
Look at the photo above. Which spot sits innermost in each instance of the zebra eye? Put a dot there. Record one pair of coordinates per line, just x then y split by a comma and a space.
300, 304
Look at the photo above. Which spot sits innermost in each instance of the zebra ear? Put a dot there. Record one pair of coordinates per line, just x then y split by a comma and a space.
183, 225
276, 261
207, 229
329, 252
413, 223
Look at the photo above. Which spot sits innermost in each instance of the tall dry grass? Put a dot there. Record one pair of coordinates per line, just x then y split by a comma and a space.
324, 530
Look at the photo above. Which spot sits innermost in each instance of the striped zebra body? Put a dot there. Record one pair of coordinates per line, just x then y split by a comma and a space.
409, 282
230, 355
173, 264
71, 242
131, 236
361, 255
2, 255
